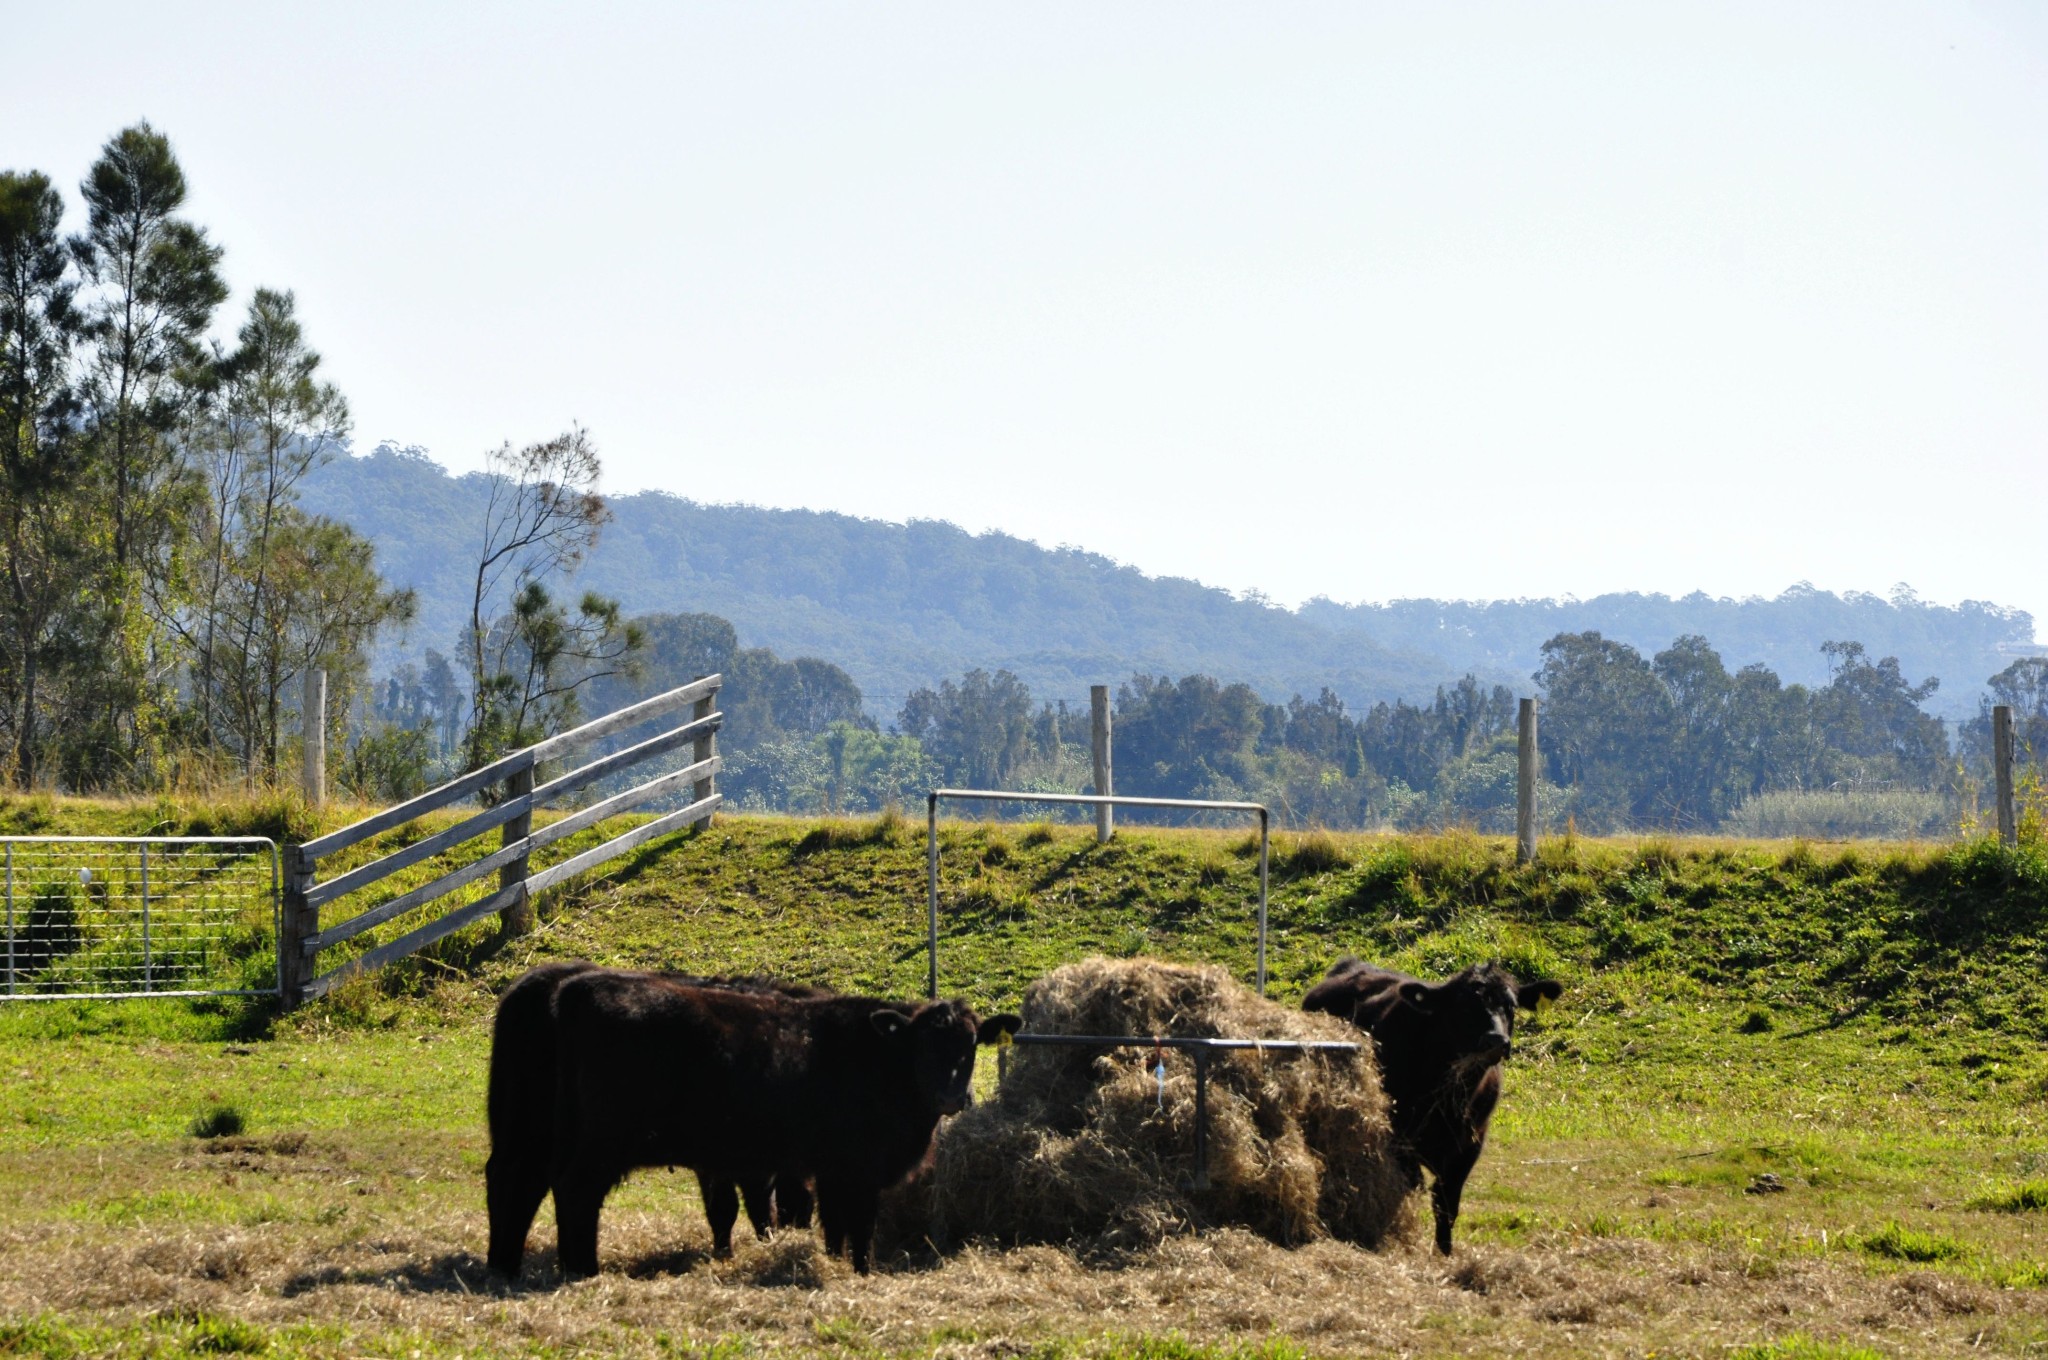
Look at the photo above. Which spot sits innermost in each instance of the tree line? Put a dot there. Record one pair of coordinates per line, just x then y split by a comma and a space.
162, 589
1673, 741
1669, 741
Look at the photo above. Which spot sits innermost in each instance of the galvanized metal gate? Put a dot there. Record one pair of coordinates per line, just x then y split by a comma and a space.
122, 916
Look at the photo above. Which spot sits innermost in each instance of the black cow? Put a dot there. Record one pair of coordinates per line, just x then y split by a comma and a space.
1440, 1046
653, 1072
521, 1107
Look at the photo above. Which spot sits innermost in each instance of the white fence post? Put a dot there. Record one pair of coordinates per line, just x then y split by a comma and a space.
313, 737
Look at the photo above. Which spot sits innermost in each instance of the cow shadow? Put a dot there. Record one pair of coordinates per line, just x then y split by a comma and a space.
451, 1272
674, 1261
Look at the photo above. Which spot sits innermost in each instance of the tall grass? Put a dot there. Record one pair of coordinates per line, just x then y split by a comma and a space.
1829, 815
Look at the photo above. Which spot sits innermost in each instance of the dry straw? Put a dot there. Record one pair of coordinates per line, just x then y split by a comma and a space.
1079, 1148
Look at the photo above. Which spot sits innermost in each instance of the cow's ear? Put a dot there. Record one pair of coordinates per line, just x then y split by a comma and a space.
1416, 994
996, 1026
1532, 994
889, 1022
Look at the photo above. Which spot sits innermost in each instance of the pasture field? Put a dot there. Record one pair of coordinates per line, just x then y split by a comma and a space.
1793, 1104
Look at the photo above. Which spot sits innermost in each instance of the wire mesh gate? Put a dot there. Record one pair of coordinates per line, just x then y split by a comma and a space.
123, 916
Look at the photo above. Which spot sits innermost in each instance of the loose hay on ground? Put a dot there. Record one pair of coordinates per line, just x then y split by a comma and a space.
1080, 1146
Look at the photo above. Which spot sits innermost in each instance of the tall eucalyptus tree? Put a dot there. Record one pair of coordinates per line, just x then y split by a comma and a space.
38, 535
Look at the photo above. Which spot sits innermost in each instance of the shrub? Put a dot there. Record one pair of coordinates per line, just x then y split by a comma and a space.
222, 1121
1899, 1243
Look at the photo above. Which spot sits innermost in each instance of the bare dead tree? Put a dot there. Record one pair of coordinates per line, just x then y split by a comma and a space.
542, 517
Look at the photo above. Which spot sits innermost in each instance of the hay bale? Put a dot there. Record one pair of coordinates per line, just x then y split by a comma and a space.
1079, 1147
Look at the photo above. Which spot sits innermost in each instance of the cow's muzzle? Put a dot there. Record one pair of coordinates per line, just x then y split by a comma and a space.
1479, 1059
954, 1104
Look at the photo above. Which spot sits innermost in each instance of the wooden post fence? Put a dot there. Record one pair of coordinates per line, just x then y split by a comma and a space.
2001, 765
1105, 774
1526, 773
703, 750
313, 737
517, 917
301, 936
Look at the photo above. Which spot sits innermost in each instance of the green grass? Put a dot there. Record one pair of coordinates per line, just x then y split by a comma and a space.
1860, 1024
1800, 1347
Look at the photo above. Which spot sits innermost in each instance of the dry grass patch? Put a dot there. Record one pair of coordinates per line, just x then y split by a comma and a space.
1224, 1290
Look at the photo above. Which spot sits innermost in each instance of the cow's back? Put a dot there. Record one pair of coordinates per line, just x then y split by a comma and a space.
744, 1082
656, 1072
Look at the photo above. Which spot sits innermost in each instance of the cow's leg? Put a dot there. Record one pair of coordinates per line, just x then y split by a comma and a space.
721, 1209
1462, 1154
759, 1194
831, 1215
579, 1195
1446, 1193
792, 1200
863, 1206
513, 1190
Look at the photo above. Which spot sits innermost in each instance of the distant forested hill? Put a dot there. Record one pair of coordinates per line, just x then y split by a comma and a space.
1963, 645
899, 606
904, 605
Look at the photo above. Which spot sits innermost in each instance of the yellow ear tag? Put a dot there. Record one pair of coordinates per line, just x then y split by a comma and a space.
1003, 1039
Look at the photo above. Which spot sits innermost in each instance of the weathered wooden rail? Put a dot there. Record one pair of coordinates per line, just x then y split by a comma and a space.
301, 937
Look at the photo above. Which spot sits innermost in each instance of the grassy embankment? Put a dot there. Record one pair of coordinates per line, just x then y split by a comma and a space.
1862, 1024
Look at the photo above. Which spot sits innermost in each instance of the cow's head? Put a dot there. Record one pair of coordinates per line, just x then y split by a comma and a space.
1472, 1014
941, 1038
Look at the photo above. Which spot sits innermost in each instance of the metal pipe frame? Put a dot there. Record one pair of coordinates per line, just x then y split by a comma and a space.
11, 991
931, 806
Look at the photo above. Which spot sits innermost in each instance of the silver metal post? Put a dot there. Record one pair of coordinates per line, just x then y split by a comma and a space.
10, 919
931, 892
148, 966
1264, 840
277, 912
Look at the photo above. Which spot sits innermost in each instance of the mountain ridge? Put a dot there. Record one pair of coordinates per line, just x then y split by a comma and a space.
903, 605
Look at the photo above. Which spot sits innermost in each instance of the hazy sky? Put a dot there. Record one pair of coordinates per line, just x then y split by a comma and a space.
1365, 300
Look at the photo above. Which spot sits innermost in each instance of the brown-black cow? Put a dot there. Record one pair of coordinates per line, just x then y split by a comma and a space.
653, 1072
521, 1112
1440, 1046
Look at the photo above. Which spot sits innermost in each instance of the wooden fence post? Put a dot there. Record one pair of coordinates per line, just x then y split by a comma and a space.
313, 737
517, 918
2001, 765
1526, 771
1105, 773
296, 923
703, 748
